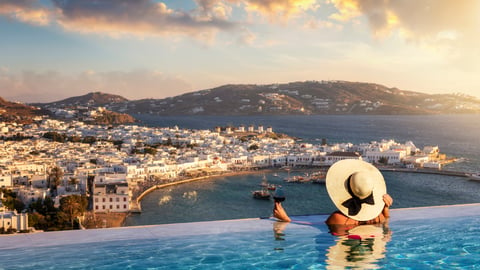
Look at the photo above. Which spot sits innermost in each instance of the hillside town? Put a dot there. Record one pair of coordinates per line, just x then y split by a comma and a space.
53, 164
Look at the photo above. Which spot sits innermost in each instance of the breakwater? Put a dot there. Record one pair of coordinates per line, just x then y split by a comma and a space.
427, 171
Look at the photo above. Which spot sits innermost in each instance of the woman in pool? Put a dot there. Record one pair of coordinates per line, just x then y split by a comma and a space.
358, 190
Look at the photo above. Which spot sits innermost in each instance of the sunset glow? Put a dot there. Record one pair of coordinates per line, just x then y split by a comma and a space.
54, 49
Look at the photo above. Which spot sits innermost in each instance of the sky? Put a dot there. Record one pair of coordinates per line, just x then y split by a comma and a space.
54, 49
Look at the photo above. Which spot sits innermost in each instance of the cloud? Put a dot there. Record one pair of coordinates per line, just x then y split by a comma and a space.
273, 9
416, 19
122, 17
27, 11
447, 26
140, 17
29, 86
246, 38
214, 9
280, 10
149, 17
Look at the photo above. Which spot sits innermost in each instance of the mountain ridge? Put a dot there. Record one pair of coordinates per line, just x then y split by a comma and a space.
92, 98
18, 112
307, 97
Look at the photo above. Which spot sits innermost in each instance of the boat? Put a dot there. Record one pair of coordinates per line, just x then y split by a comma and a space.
264, 182
261, 194
271, 187
318, 177
288, 178
296, 179
474, 176
267, 185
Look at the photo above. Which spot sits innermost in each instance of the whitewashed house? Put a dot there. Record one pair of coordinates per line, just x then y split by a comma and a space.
389, 156
337, 156
6, 180
11, 220
111, 197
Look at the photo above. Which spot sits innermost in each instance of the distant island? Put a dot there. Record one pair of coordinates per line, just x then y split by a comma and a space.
295, 98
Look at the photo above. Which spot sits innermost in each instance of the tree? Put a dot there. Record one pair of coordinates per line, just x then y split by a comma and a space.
253, 147
11, 201
383, 160
89, 139
71, 207
75, 139
150, 150
73, 182
54, 177
43, 215
38, 221
118, 144
55, 136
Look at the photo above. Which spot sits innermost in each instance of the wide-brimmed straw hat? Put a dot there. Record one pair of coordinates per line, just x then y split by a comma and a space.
356, 188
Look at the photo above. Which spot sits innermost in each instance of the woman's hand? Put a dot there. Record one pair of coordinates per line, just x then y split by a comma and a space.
280, 213
387, 199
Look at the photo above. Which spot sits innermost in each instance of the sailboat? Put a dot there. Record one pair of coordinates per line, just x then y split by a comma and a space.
294, 179
267, 185
318, 177
262, 194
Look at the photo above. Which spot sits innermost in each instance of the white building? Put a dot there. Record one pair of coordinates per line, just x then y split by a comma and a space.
11, 220
111, 197
389, 156
29, 195
5, 180
259, 160
337, 156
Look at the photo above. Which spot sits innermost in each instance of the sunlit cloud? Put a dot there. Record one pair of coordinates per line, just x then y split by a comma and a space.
420, 19
142, 17
117, 18
27, 11
444, 25
275, 10
280, 10
315, 24
214, 9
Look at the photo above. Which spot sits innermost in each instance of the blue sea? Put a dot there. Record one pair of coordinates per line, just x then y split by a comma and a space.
230, 197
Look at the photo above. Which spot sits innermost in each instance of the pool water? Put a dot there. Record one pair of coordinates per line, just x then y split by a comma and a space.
417, 238
437, 243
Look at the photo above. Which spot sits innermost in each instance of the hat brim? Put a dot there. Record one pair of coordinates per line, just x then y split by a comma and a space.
336, 184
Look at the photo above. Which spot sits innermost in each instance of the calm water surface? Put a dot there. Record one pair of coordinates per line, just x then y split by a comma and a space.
230, 197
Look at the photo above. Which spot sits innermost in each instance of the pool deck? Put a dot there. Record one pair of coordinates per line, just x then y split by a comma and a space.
9, 242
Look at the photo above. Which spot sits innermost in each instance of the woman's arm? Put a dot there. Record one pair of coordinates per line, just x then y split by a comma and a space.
280, 213
387, 199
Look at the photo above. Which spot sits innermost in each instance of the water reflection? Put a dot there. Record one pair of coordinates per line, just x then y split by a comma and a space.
278, 234
360, 247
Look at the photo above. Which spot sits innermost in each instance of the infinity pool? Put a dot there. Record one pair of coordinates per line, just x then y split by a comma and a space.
417, 238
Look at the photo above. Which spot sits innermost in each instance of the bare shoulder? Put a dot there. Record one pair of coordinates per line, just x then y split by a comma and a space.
336, 218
